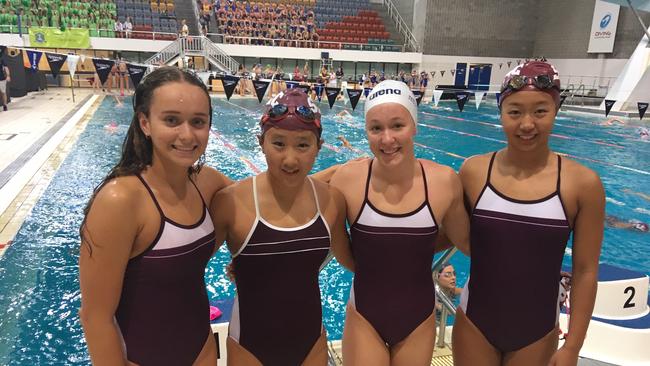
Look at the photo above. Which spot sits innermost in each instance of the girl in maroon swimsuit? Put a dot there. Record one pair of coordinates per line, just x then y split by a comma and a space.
526, 200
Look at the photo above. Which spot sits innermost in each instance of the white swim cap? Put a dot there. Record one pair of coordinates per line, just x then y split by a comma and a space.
393, 91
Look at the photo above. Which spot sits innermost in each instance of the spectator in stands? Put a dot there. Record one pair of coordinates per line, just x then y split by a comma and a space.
297, 75
339, 76
413, 82
185, 31
424, 81
128, 27
118, 27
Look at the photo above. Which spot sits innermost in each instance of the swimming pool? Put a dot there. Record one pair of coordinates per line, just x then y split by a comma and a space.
39, 290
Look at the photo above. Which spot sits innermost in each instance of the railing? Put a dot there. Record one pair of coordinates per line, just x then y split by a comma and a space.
598, 86
447, 305
217, 55
403, 28
165, 55
258, 41
105, 33
195, 46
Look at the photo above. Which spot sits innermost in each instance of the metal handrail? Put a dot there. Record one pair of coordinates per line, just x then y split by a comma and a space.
448, 306
165, 55
248, 41
217, 55
401, 25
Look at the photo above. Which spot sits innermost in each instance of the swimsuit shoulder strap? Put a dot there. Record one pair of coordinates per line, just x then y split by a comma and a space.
365, 195
489, 174
153, 197
559, 171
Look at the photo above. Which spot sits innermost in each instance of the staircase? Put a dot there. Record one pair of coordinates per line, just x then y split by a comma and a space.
195, 46
388, 23
185, 9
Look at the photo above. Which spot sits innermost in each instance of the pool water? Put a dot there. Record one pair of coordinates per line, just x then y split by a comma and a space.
39, 289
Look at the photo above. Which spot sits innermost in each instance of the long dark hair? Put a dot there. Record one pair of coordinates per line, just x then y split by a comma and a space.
137, 149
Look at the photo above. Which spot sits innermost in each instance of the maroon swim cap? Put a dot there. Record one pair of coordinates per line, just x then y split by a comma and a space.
532, 75
291, 110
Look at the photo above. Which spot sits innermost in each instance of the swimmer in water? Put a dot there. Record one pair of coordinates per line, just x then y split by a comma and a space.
112, 127
644, 133
344, 114
345, 142
612, 122
618, 223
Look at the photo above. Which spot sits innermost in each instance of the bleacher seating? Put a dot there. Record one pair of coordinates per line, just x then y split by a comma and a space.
98, 16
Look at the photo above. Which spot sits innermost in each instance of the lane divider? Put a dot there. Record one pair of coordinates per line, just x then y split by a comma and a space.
254, 168
597, 142
618, 166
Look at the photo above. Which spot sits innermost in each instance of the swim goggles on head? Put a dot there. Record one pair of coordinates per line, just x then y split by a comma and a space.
281, 111
540, 82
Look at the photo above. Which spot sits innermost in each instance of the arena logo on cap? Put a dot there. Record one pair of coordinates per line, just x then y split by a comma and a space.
384, 91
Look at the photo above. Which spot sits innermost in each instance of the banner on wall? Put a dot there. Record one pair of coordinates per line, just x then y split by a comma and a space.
55, 61
34, 58
56, 38
603, 27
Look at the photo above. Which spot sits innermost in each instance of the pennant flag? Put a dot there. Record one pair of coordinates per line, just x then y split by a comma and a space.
452, 72
461, 99
354, 95
442, 72
518, 62
72, 64
34, 58
418, 96
608, 106
136, 72
366, 91
500, 65
103, 68
643, 106
433, 74
319, 91
498, 95
509, 63
229, 84
332, 93
562, 99
478, 98
82, 58
260, 88
305, 88
436, 96
55, 61
291, 84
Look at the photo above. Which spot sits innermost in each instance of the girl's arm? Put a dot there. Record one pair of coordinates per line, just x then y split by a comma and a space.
587, 238
109, 234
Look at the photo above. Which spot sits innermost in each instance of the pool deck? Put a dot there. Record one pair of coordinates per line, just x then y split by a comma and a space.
36, 134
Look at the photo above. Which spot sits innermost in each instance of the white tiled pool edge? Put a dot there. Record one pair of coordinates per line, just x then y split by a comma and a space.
29, 173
